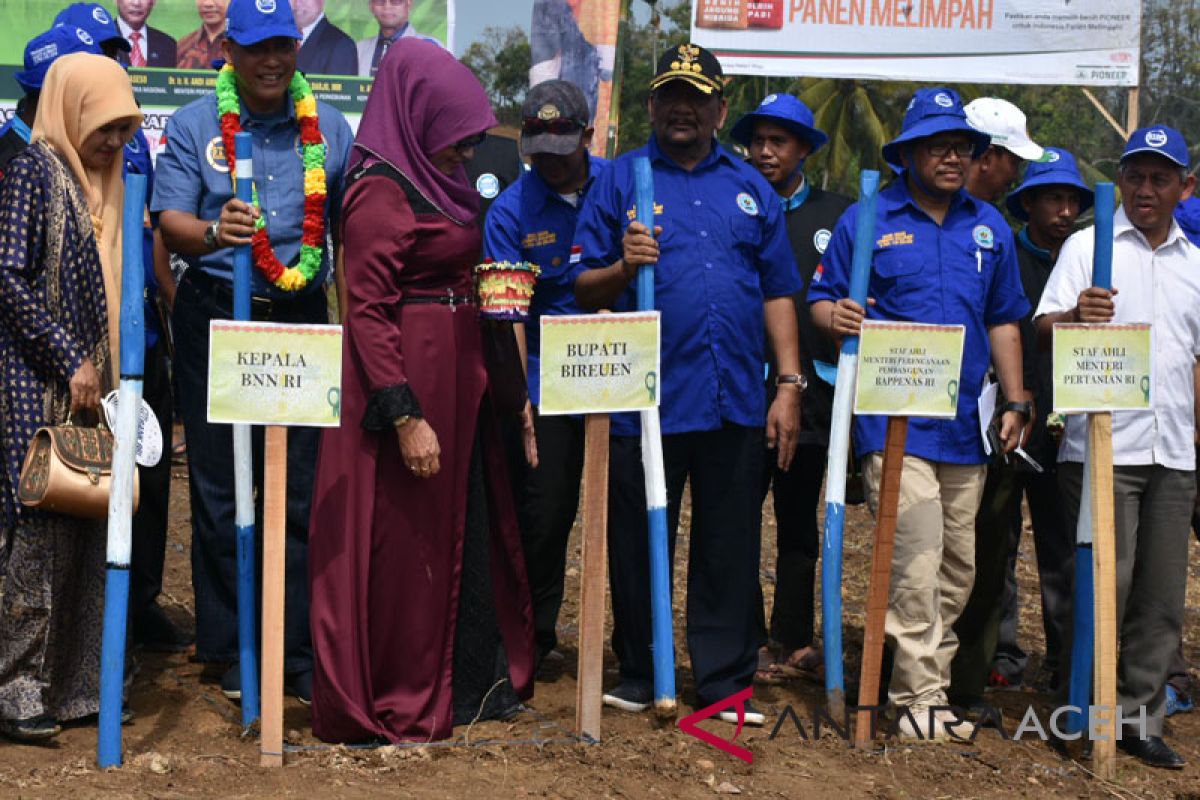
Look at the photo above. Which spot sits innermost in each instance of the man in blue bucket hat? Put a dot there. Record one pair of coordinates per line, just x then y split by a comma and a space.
1050, 200
99, 24
41, 51
779, 135
1156, 280
941, 256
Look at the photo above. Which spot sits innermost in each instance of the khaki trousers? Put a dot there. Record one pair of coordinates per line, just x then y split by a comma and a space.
933, 568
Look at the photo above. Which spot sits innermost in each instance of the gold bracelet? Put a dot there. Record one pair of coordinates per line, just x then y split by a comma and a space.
400, 422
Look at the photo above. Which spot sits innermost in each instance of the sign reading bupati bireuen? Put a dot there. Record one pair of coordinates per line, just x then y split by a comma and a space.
599, 363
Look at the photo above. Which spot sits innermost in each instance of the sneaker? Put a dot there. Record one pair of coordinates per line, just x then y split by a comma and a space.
33, 729
231, 682
299, 686
1178, 702
918, 724
750, 715
630, 696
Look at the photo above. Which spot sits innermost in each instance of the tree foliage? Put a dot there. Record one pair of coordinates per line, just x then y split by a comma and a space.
501, 60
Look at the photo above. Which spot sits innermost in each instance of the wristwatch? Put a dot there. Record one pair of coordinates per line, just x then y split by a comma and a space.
1024, 408
798, 380
210, 234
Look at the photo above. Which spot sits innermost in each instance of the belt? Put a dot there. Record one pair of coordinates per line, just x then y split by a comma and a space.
261, 308
447, 299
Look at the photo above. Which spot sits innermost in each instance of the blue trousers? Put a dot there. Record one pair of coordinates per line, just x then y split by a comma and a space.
201, 298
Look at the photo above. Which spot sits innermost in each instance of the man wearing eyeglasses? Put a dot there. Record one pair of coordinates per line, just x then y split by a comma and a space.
941, 256
534, 220
392, 16
724, 278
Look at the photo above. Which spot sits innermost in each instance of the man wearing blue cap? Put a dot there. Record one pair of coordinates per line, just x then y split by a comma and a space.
779, 136
941, 256
724, 274
99, 24
1156, 280
1050, 200
203, 222
41, 51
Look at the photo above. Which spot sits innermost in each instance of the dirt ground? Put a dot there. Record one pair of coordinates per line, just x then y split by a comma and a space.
187, 739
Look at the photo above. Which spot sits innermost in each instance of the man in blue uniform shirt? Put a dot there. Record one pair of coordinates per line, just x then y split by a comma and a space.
724, 273
780, 135
941, 257
534, 220
203, 222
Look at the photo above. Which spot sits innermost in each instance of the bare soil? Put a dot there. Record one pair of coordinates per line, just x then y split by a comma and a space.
187, 740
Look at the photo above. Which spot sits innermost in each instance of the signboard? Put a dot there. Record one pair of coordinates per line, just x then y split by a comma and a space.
180, 42
263, 373
1102, 367
599, 363
1094, 43
909, 370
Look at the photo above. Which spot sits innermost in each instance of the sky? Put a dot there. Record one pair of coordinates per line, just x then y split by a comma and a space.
472, 16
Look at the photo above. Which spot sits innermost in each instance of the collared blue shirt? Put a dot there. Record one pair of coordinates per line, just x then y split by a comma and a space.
962, 272
17, 124
137, 161
193, 176
529, 221
723, 251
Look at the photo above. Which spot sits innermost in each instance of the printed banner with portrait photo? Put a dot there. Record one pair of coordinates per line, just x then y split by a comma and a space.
576, 41
179, 39
1091, 43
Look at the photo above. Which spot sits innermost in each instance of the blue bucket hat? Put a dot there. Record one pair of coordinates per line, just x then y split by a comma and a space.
92, 18
45, 48
933, 111
248, 22
785, 111
1160, 139
1057, 169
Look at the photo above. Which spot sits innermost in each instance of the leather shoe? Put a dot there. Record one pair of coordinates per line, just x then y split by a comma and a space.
1152, 751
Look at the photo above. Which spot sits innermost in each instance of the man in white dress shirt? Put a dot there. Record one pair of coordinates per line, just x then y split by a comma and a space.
1156, 279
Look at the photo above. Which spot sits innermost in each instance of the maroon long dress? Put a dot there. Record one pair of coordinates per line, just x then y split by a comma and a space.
386, 547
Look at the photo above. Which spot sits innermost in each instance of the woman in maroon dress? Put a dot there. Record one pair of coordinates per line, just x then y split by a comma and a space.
421, 617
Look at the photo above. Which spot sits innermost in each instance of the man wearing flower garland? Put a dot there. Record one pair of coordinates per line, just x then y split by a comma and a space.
300, 152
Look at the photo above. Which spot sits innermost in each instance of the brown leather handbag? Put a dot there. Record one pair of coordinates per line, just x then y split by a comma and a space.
68, 470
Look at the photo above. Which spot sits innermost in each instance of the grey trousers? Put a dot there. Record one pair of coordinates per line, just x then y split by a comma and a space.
1153, 510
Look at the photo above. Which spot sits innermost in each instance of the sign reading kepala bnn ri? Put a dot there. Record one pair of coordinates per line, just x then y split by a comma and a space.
599, 363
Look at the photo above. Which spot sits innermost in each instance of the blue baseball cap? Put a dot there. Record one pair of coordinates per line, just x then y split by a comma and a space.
1161, 140
1057, 168
785, 111
249, 22
933, 111
92, 18
45, 48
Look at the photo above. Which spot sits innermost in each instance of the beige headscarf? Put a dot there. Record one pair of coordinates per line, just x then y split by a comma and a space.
84, 92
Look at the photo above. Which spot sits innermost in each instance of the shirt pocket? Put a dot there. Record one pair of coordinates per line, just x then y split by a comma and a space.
896, 273
746, 232
968, 272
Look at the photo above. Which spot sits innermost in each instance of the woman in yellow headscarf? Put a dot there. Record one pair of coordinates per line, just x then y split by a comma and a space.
60, 277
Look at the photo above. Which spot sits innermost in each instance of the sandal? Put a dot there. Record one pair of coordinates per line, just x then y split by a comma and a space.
766, 674
807, 662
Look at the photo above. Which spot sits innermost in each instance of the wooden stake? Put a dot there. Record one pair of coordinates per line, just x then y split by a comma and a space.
881, 574
274, 559
593, 578
1104, 550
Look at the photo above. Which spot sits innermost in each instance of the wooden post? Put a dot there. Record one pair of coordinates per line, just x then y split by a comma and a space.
274, 561
881, 574
1131, 111
1103, 722
593, 577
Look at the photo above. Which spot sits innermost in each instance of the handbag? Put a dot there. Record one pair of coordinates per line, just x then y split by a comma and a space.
68, 470
506, 373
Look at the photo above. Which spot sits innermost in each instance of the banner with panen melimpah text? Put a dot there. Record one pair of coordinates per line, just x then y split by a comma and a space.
1073, 42
180, 35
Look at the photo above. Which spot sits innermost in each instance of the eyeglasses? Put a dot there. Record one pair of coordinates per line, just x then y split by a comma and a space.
534, 126
470, 142
942, 149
